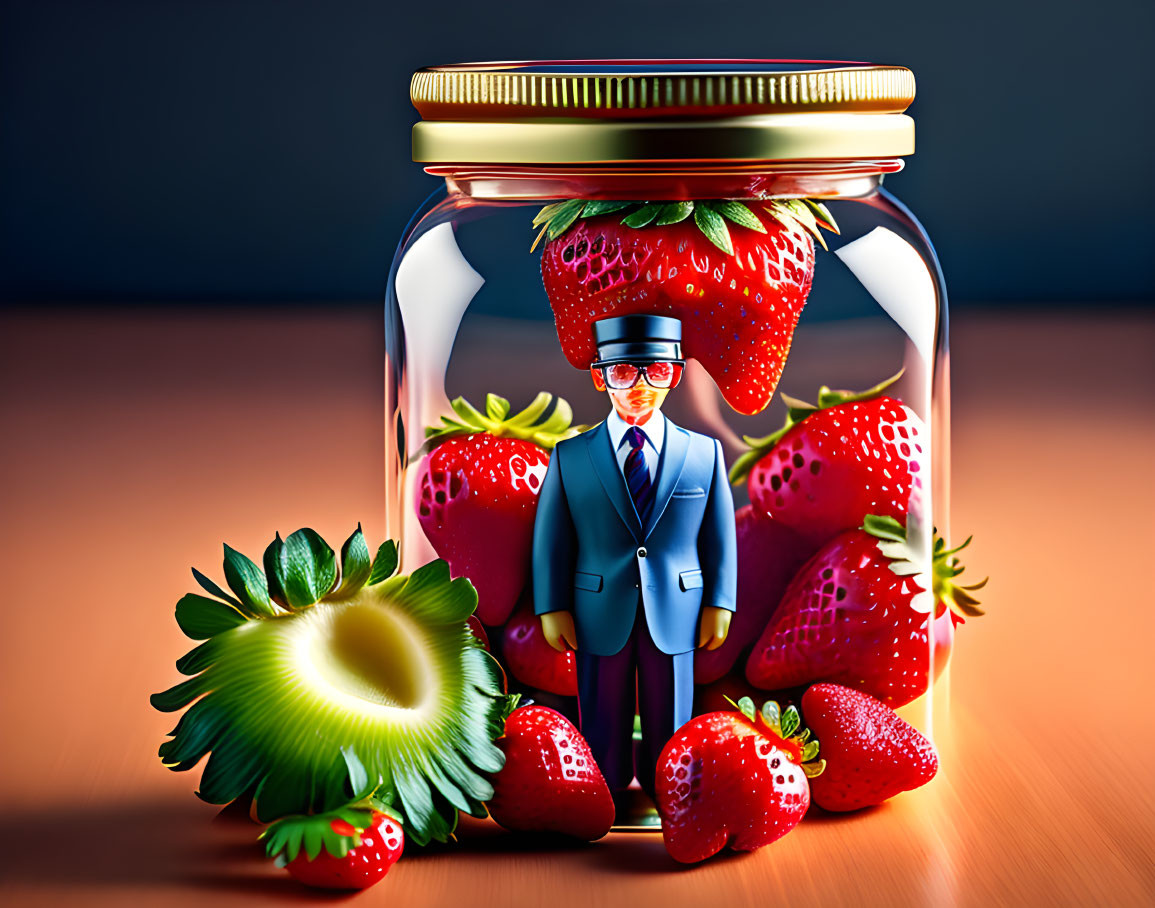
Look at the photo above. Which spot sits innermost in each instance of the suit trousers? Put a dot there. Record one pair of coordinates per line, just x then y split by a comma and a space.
607, 685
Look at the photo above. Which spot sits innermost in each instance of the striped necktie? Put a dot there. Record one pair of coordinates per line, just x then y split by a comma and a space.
638, 474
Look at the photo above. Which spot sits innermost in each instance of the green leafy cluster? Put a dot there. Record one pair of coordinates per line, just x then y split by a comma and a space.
531, 424
796, 411
274, 734
711, 216
787, 725
337, 831
298, 572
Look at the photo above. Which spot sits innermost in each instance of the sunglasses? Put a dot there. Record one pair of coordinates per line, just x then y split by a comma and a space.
662, 375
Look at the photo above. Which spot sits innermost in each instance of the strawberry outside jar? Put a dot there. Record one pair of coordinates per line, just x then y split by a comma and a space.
741, 201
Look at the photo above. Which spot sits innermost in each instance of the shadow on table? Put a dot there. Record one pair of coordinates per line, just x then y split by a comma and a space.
144, 843
629, 853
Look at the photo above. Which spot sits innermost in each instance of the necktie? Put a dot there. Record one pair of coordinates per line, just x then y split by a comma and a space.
638, 474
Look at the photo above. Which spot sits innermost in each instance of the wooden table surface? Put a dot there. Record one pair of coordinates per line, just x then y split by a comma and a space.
135, 441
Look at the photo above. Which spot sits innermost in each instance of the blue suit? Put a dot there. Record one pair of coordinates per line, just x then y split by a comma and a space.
636, 592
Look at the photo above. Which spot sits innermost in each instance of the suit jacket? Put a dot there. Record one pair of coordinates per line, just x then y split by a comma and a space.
592, 556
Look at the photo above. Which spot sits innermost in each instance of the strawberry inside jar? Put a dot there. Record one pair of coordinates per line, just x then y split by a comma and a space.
728, 217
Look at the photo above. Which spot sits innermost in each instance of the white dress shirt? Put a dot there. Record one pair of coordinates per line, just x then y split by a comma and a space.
655, 429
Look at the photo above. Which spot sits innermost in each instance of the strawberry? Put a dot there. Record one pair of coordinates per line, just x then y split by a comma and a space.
871, 754
768, 556
734, 779
532, 660
737, 293
857, 614
350, 848
831, 464
477, 493
550, 782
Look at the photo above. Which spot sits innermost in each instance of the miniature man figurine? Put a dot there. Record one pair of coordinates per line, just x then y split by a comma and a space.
634, 551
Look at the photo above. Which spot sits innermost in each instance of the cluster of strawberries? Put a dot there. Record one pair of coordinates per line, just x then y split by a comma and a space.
834, 614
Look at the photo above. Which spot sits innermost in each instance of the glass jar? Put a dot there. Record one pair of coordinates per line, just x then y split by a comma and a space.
745, 200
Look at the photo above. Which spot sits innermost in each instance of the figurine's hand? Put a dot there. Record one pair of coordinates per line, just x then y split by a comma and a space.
559, 631
714, 627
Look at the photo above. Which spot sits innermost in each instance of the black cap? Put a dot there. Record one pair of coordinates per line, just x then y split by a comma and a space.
638, 338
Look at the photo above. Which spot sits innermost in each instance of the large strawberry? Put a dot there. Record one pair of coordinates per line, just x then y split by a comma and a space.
350, 848
734, 779
871, 754
738, 292
858, 613
532, 660
768, 556
477, 493
831, 464
550, 782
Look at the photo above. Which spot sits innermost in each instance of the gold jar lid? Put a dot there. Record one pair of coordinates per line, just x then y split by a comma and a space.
641, 111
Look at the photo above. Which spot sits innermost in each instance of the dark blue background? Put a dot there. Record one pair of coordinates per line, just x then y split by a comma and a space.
258, 150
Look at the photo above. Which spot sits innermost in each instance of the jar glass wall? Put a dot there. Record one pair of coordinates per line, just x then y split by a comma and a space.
468, 315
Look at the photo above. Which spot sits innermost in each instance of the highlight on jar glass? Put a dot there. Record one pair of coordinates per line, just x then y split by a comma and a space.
668, 381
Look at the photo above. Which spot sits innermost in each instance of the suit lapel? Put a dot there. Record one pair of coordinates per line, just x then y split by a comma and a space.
669, 471
606, 467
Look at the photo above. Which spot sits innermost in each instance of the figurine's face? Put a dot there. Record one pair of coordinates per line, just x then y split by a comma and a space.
637, 391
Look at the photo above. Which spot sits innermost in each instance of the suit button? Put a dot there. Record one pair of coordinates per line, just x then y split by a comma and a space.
642, 552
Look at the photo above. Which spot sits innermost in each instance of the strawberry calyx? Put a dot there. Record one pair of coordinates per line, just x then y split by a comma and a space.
512, 702
711, 216
785, 726
797, 411
530, 424
945, 567
337, 831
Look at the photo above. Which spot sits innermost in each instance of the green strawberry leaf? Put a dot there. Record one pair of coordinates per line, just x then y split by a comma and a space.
740, 214
884, 528
248, 582
197, 659
273, 573
356, 564
562, 219
546, 213
385, 564
309, 568
200, 617
790, 721
496, 408
595, 208
209, 587
674, 213
771, 715
809, 751
746, 707
359, 782
803, 213
713, 226
814, 769
643, 215
822, 215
